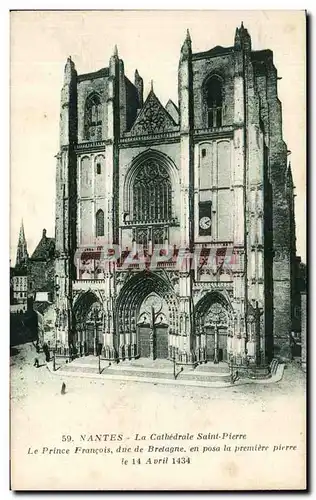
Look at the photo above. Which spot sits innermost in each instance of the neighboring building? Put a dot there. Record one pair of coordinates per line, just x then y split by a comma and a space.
19, 284
11, 286
210, 175
300, 286
41, 268
46, 316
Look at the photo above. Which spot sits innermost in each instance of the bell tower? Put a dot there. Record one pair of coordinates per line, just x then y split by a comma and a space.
66, 191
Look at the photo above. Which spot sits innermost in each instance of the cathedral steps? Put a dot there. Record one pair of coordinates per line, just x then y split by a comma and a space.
214, 378
206, 373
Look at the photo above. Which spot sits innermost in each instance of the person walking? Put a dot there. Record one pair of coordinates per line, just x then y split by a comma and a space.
36, 363
63, 388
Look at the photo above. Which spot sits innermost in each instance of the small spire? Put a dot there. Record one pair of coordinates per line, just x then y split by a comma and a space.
186, 47
69, 70
289, 170
69, 62
151, 85
115, 52
242, 38
136, 72
22, 254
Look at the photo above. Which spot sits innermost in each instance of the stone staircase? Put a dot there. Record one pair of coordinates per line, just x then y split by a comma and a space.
274, 366
158, 369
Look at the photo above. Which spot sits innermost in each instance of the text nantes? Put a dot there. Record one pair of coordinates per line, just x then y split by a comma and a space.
101, 437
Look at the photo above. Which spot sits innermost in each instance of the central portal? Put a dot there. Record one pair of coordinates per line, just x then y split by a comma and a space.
146, 313
152, 328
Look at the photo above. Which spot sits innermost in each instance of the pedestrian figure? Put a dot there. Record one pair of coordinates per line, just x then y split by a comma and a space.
46, 352
234, 377
63, 388
36, 363
37, 347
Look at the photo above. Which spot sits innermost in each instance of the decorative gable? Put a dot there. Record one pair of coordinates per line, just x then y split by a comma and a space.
153, 118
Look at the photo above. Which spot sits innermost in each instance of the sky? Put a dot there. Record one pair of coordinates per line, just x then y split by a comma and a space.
150, 41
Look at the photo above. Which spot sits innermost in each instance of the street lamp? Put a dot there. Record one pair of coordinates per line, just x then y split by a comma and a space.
95, 317
54, 360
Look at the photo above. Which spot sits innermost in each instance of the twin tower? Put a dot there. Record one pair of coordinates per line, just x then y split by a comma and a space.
208, 174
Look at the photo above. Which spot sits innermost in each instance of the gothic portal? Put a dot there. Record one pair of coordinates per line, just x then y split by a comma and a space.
175, 233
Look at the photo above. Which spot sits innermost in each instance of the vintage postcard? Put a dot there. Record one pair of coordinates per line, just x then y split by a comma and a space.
158, 256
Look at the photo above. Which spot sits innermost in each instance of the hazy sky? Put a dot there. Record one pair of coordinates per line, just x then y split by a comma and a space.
149, 41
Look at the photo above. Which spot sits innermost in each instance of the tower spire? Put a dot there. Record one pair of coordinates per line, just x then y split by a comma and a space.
186, 47
242, 38
21, 253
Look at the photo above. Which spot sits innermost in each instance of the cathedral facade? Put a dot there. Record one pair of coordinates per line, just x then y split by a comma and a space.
175, 234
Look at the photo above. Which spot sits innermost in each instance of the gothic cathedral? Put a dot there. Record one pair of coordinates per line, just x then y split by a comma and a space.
175, 233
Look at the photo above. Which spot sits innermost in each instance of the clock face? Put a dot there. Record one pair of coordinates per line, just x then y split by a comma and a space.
205, 222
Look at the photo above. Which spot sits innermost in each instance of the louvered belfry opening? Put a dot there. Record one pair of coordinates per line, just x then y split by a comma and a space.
214, 102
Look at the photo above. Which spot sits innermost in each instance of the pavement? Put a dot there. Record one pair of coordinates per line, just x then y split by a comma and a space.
269, 413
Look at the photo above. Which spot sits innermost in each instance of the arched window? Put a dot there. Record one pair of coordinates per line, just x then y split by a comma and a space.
152, 195
99, 223
214, 102
93, 118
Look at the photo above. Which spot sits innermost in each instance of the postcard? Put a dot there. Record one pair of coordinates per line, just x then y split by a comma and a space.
158, 250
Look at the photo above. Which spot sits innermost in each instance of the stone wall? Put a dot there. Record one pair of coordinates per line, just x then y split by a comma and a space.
41, 277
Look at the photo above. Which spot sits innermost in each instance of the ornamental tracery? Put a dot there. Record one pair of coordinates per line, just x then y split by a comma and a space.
153, 118
93, 118
152, 194
216, 315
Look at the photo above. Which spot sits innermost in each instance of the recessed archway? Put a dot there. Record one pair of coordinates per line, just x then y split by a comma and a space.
88, 324
143, 327
213, 327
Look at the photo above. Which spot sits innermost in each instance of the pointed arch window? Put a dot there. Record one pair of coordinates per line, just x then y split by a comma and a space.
214, 102
99, 223
93, 118
152, 194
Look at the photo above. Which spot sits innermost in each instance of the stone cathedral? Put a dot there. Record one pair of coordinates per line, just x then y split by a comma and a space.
201, 190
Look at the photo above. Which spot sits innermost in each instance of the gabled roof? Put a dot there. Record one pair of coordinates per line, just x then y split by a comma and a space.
173, 111
45, 249
214, 52
152, 118
94, 75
